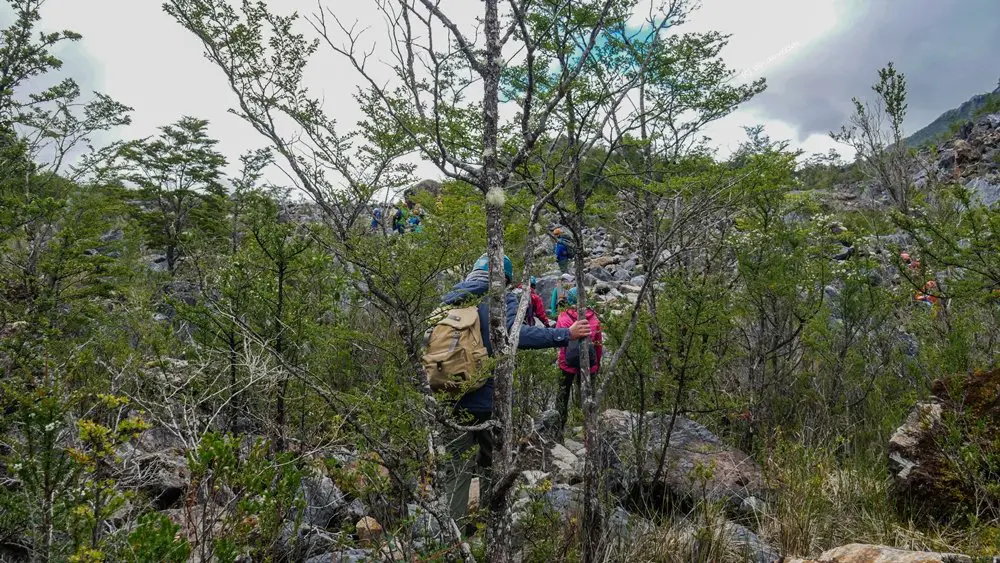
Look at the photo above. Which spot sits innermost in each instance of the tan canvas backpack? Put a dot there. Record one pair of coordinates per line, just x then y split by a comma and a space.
455, 352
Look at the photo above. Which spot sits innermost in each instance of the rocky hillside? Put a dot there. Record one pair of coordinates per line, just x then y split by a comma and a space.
971, 159
944, 122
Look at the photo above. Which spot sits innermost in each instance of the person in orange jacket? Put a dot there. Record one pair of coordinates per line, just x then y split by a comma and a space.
924, 295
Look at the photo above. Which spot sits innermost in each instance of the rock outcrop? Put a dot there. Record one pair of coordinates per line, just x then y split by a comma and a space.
972, 159
612, 271
924, 453
696, 463
910, 447
323, 501
862, 553
156, 465
944, 121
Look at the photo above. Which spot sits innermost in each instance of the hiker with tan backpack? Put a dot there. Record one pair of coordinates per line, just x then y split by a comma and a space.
457, 346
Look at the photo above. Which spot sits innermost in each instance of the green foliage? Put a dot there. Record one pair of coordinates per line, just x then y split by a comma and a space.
876, 133
99, 499
282, 331
155, 539
179, 177
548, 536
991, 105
823, 172
46, 472
265, 487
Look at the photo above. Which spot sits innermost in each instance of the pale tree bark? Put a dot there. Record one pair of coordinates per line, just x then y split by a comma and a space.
498, 531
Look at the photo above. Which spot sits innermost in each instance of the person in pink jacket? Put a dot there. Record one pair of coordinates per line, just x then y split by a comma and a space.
570, 373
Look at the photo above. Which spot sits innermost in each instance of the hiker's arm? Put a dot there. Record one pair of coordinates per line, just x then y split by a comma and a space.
533, 338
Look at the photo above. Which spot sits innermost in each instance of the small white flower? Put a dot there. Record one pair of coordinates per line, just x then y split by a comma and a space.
50, 427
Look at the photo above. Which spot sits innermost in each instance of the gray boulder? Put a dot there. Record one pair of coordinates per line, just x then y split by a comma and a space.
895, 239
156, 465
831, 292
613, 295
323, 501
344, 556
986, 191
157, 262
602, 274
355, 510
564, 463
544, 287
749, 545
603, 288
565, 499
113, 235
909, 444
424, 525
305, 542
733, 478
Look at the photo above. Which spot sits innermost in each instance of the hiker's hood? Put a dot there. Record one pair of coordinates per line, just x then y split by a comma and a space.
475, 285
572, 313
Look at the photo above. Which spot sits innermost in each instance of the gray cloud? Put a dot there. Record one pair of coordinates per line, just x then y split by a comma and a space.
78, 62
947, 50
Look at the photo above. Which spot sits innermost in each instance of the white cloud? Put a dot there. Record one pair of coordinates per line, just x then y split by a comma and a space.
140, 56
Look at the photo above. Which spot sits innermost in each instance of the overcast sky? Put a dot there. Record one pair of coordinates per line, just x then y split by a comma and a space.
816, 55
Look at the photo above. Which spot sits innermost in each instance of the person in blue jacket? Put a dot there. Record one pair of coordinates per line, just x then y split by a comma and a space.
476, 407
563, 249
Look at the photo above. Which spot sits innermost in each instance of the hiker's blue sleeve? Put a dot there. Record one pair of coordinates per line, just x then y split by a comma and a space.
532, 337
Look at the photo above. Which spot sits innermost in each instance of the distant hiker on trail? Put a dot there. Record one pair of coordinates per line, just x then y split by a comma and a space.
569, 357
909, 262
557, 299
529, 313
538, 305
448, 353
416, 216
399, 219
924, 296
376, 218
563, 249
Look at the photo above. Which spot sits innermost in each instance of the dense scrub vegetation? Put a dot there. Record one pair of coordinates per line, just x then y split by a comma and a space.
187, 354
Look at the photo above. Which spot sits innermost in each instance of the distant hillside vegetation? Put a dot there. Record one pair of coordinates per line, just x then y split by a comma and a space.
952, 117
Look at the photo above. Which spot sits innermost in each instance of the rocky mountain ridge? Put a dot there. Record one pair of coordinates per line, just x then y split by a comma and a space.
944, 122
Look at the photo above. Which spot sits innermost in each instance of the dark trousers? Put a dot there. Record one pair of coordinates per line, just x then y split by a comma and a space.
461, 465
562, 401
